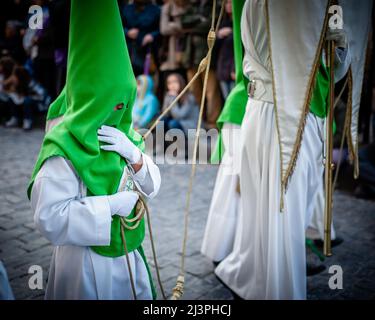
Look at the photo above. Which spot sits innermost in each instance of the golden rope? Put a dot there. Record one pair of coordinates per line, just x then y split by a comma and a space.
141, 209
204, 65
128, 263
178, 290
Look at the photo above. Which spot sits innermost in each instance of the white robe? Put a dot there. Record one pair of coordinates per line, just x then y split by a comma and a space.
268, 260
222, 218
317, 219
74, 222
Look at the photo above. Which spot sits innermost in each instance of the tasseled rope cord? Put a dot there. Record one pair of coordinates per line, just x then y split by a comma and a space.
141, 209
128, 262
178, 290
342, 137
203, 66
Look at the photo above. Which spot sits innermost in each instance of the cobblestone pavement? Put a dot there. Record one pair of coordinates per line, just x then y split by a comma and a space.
22, 246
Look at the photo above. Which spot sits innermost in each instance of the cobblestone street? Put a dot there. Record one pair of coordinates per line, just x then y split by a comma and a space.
22, 246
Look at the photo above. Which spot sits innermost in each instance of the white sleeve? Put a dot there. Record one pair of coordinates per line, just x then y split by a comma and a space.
147, 179
61, 215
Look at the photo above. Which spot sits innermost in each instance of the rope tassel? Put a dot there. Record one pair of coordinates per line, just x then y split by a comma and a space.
178, 290
141, 210
204, 66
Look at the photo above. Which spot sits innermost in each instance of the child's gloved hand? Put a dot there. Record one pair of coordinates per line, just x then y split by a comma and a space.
120, 143
122, 203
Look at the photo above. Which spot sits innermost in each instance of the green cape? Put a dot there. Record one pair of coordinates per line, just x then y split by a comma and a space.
99, 78
235, 104
318, 103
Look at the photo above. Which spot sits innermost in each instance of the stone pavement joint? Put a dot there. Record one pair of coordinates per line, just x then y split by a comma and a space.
22, 246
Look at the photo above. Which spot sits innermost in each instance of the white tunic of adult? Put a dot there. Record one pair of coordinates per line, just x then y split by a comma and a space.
73, 222
268, 260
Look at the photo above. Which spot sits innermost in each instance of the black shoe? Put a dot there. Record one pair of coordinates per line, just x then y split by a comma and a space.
216, 263
235, 295
312, 270
364, 192
334, 243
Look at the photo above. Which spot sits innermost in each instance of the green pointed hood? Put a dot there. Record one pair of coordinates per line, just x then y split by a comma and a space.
99, 78
57, 107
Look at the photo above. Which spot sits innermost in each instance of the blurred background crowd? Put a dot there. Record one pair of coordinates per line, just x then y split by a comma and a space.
166, 41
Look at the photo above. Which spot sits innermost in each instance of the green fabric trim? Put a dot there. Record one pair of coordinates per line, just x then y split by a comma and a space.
218, 152
310, 244
57, 107
318, 104
235, 105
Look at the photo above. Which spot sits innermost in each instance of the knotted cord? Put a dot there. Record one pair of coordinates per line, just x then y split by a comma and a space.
204, 65
141, 209
178, 290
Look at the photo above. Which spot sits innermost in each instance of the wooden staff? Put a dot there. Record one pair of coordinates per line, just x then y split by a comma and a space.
329, 166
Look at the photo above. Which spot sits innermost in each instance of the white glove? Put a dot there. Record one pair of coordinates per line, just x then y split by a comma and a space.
120, 143
122, 203
338, 36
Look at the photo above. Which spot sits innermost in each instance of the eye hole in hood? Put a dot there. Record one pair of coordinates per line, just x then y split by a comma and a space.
119, 106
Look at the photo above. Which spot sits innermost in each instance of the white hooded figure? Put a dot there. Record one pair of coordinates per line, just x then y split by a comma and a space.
281, 162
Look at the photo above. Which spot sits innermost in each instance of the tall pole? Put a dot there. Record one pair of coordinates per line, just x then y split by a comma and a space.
329, 166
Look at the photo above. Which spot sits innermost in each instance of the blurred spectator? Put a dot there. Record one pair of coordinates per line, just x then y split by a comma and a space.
185, 114
12, 10
6, 69
12, 42
171, 29
197, 19
146, 105
15, 9
43, 54
59, 23
141, 28
24, 97
173, 44
225, 62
